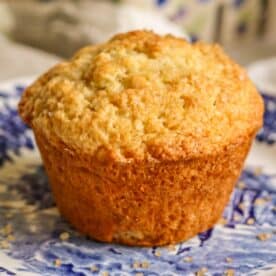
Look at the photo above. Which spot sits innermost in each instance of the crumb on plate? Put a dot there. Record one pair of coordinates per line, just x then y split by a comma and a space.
202, 271
228, 260
188, 259
264, 236
57, 262
64, 236
250, 221
229, 272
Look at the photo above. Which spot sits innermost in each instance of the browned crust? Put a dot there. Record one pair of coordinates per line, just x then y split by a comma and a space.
142, 203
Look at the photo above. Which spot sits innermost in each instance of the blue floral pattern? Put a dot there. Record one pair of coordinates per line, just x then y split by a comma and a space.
160, 2
13, 133
34, 188
238, 3
30, 226
268, 131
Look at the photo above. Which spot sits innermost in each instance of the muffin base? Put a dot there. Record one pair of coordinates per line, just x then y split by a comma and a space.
142, 204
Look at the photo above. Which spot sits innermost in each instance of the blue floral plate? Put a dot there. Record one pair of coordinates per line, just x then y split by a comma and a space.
35, 240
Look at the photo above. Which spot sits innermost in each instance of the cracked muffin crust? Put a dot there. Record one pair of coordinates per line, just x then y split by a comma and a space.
144, 136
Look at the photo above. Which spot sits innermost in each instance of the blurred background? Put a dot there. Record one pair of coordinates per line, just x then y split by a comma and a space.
34, 34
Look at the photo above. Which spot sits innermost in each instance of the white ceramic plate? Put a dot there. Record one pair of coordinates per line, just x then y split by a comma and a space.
30, 226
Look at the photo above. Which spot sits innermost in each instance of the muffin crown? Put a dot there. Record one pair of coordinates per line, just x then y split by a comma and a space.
141, 96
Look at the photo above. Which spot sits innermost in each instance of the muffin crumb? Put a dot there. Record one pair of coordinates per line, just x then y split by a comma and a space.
264, 236
229, 272
4, 244
136, 264
222, 221
237, 218
6, 230
229, 260
157, 253
202, 271
145, 264
250, 221
33, 228
171, 247
57, 262
241, 185
64, 236
257, 171
188, 259
94, 268
10, 237
261, 201
241, 206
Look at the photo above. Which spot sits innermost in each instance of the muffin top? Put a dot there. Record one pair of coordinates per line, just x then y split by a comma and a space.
142, 96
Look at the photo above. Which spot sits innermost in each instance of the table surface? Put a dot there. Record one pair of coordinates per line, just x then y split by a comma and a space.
18, 61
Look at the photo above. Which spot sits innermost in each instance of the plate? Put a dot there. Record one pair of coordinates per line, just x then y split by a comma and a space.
35, 240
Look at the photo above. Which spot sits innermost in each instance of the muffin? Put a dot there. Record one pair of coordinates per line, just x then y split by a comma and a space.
143, 137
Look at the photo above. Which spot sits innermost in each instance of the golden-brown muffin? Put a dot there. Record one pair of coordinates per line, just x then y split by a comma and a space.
143, 137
